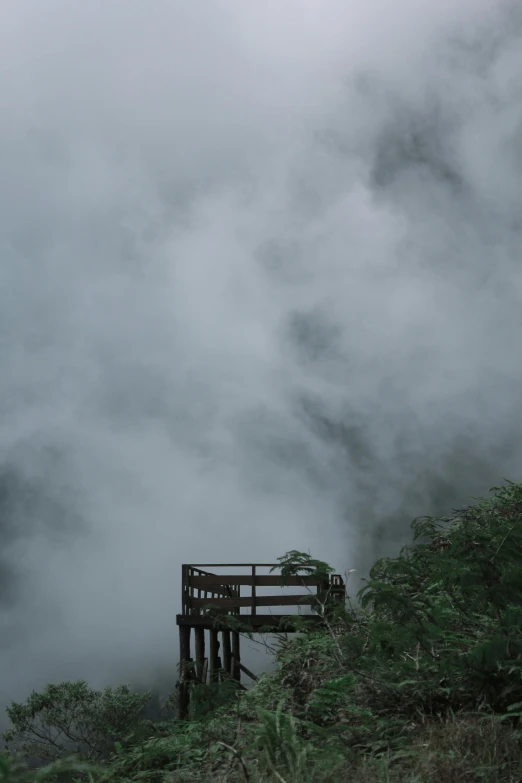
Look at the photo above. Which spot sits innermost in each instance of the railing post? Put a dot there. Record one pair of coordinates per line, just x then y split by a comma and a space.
253, 591
184, 589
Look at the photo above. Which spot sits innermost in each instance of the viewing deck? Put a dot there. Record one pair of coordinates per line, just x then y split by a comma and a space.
215, 602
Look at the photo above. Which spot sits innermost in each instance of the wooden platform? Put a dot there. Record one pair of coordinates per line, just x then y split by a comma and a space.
213, 602
279, 622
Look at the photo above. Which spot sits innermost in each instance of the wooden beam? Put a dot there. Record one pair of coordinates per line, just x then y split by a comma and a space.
199, 634
261, 580
227, 652
184, 658
248, 672
261, 600
253, 623
213, 653
184, 587
232, 565
236, 657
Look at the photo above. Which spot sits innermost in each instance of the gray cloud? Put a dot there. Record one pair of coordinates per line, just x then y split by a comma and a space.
259, 290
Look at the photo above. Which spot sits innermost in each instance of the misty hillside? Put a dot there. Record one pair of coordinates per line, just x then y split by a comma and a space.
260, 290
419, 680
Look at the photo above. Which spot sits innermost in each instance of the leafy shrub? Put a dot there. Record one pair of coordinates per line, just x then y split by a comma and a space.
73, 717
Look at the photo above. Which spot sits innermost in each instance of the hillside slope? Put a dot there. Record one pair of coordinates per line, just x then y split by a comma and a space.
421, 681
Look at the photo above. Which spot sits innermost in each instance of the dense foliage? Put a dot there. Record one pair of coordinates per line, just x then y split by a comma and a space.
420, 680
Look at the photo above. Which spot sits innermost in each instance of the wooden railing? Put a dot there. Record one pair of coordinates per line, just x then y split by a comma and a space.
197, 587
205, 590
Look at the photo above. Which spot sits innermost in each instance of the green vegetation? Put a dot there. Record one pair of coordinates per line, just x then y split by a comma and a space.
420, 681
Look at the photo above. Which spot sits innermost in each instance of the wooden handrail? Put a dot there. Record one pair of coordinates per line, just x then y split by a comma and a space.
233, 565
303, 599
262, 580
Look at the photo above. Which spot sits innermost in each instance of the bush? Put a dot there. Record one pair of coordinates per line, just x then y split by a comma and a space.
73, 717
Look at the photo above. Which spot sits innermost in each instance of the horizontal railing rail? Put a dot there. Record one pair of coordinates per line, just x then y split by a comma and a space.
261, 581
260, 600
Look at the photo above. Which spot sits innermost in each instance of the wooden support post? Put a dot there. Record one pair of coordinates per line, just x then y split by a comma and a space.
248, 672
213, 655
227, 652
199, 634
236, 657
184, 658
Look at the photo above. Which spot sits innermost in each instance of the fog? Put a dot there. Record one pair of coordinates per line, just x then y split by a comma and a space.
260, 290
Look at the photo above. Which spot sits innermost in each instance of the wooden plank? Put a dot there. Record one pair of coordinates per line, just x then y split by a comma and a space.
260, 600
232, 565
192, 569
261, 580
248, 672
184, 657
247, 620
184, 644
213, 654
184, 587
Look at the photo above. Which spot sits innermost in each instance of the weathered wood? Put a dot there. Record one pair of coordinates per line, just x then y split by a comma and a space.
213, 654
304, 599
221, 594
232, 565
184, 644
199, 634
247, 672
236, 657
252, 623
184, 658
254, 593
227, 652
184, 587
262, 580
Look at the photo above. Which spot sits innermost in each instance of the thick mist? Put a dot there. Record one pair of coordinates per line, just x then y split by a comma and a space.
260, 289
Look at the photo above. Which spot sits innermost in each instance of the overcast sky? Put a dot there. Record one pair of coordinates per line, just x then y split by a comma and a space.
260, 289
